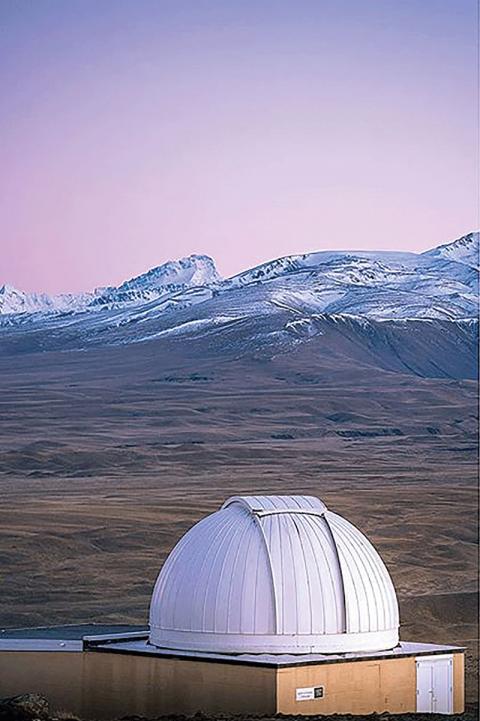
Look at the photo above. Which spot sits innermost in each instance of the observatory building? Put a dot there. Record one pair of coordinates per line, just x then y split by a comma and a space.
276, 575
272, 604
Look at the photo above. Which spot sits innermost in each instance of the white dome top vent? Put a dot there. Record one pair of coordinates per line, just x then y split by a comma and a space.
274, 574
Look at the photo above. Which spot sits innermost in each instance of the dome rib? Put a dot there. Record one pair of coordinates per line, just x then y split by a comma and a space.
274, 574
270, 571
343, 612
230, 589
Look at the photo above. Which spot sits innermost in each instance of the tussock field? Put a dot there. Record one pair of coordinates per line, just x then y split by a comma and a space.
107, 457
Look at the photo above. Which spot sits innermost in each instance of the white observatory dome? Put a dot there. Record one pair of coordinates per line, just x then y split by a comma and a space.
274, 574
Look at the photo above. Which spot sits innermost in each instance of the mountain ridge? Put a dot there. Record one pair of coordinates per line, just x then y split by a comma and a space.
455, 262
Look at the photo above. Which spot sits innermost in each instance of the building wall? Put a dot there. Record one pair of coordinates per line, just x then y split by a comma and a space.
458, 682
362, 687
111, 685
121, 684
56, 675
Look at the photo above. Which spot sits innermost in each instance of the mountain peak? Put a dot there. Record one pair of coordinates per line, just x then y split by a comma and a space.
465, 249
192, 270
13, 300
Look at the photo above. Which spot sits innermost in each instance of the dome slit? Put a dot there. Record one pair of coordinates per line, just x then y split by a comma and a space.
280, 555
267, 546
243, 584
231, 585
320, 530
329, 531
291, 587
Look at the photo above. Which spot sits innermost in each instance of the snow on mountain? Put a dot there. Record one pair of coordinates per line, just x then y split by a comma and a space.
464, 250
374, 284
17, 301
167, 279
164, 281
441, 283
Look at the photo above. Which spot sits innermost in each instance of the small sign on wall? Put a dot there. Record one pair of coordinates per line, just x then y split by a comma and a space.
309, 694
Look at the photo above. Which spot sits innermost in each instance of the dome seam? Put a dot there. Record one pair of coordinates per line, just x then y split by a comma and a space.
258, 523
339, 561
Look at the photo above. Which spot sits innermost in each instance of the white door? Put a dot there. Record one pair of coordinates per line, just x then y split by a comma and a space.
434, 684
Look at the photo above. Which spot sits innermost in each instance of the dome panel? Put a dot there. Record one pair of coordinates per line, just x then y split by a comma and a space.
370, 598
274, 574
206, 584
210, 575
307, 579
325, 577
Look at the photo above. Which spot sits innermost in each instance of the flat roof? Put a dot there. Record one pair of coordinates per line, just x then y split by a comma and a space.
71, 631
133, 640
143, 648
69, 637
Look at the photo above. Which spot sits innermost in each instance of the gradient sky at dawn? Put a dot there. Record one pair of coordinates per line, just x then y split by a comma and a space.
136, 131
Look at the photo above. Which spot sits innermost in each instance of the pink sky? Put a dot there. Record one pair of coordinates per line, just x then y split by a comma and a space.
137, 131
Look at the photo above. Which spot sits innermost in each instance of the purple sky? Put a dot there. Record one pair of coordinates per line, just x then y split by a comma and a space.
137, 131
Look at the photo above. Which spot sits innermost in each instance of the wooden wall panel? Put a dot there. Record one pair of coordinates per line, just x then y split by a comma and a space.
458, 682
361, 687
121, 684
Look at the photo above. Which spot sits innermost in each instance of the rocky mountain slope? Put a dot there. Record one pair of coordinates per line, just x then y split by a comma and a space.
401, 312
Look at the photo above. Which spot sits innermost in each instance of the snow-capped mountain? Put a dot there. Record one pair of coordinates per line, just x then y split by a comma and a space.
464, 250
167, 279
440, 283
403, 312
17, 301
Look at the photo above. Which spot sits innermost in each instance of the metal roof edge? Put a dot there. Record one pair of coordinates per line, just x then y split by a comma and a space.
403, 650
40, 644
93, 640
